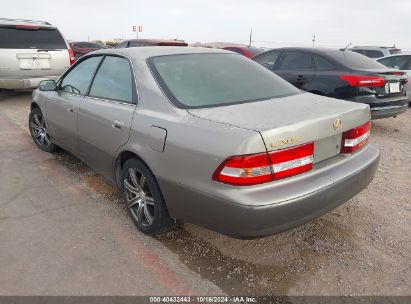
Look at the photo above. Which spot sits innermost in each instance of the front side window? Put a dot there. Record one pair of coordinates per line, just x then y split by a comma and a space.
78, 79
297, 61
210, 80
268, 59
113, 80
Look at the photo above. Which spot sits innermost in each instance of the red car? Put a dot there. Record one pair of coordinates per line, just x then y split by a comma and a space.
150, 42
82, 48
247, 51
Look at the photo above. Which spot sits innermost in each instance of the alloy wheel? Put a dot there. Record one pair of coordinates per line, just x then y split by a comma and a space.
39, 129
139, 197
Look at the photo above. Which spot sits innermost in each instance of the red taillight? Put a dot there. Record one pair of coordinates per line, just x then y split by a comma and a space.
355, 138
363, 81
265, 167
71, 55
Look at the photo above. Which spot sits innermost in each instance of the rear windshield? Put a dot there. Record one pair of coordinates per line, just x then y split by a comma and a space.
13, 38
356, 61
210, 80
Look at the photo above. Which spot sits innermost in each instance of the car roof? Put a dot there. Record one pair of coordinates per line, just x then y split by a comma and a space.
156, 40
374, 47
7, 21
319, 51
396, 55
153, 51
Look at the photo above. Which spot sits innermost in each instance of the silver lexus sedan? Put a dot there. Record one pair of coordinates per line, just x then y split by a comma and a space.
206, 136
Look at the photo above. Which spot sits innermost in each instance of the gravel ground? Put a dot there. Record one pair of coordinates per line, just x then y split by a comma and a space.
361, 248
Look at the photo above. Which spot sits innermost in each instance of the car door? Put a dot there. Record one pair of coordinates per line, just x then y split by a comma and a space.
296, 67
106, 113
62, 105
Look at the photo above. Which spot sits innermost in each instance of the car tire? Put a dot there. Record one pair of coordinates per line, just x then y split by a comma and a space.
144, 200
39, 131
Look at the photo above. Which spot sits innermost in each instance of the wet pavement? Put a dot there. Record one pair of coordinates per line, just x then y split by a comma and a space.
64, 230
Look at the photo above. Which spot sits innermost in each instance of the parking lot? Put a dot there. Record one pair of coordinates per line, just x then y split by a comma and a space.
63, 230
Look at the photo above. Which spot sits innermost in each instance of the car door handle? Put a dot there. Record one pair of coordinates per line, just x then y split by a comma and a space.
71, 110
117, 124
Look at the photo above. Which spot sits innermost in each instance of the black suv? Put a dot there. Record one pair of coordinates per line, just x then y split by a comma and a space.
341, 74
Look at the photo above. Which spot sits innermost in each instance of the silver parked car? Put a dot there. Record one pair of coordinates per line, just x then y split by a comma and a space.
31, 51
206, 136
375, 51
402, 62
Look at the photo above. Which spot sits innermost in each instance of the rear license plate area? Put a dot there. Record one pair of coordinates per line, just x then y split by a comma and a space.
393, 87
34, 64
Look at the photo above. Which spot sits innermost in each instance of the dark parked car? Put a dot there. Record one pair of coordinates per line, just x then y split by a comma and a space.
83, 48
247, 51
343, 75
149, 42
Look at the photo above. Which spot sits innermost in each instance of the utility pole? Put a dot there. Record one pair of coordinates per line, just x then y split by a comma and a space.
313, 40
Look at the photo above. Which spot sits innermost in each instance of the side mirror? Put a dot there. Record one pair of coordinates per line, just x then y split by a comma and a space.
47, 85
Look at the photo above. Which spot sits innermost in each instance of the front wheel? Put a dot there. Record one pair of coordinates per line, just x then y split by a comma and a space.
145, 202
39, 131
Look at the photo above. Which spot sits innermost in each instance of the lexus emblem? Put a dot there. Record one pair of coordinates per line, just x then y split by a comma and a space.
337, 124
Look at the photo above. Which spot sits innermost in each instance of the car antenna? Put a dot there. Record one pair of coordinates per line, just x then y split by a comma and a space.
344, 49
251, 36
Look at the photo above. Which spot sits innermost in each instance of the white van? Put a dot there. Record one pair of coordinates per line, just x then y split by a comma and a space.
31, 51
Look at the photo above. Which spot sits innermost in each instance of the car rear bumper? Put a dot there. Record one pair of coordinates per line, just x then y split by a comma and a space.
249, 212
384, 108
23, 83
388, 111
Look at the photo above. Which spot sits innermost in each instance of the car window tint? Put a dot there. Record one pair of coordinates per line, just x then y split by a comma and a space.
209, 80
42, 38
268, 59
374, 54
78, 79
396, 62
113, 80
322, 64
121, 45
297, 61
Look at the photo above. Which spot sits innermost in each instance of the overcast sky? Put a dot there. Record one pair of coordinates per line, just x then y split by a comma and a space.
275, 22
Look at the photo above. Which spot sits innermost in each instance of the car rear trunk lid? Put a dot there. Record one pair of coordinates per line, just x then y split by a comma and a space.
294, 120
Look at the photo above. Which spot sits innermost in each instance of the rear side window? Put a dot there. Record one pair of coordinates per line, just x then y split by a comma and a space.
78, 79
322, 64
268, 59
396, 62
113, 80
41, 38
297, 61
356, 61
374, 54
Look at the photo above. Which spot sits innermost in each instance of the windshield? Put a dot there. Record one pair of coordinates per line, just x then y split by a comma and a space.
209, 80
19, 38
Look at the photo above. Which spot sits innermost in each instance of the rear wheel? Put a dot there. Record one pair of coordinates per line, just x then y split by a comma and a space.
145, 202
39, 131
